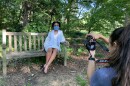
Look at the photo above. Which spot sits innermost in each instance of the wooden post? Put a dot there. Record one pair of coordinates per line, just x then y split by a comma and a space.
65, 55
127, 19
4, 52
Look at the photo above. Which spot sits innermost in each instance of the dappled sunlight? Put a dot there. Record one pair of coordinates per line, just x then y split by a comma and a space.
11, 70
56, 80
35, 67
25, 69
55, 83
58, 75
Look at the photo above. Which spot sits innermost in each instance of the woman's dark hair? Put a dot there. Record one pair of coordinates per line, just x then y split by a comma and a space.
54, 23
120, 58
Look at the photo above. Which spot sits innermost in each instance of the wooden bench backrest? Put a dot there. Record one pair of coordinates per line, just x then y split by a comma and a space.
22, 41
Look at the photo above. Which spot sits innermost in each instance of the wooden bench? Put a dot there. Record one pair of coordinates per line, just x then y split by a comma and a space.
24, 45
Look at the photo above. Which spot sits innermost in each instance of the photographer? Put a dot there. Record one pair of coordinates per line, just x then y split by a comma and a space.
117, 72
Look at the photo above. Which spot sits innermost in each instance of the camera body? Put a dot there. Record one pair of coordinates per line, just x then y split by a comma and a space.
90, 43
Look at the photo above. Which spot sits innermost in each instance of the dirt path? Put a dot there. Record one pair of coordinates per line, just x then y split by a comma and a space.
58, 75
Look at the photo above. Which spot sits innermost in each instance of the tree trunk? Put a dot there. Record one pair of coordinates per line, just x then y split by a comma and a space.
127, 20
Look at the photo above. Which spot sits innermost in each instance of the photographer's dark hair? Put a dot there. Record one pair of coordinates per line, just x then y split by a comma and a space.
120, 58
55, 22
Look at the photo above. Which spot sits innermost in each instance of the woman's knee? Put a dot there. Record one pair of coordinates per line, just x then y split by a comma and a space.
49, 50
55, 50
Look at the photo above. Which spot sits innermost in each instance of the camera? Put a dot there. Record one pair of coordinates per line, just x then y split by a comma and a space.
90, 43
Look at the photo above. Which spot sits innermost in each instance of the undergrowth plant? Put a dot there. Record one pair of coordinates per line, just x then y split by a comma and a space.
81, 81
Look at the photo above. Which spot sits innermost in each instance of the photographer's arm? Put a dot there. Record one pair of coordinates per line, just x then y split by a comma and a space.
106, 40
99, 36
91, 66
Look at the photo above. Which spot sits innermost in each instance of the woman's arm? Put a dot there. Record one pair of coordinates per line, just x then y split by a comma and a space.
47, 40
91, 65
62, 37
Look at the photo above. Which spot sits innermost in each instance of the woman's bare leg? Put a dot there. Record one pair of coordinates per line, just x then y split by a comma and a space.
51, 59
48, 54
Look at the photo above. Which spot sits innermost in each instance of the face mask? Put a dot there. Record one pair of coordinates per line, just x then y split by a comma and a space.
56, 28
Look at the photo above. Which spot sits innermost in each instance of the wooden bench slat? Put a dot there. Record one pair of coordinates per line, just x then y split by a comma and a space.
10, 43
20, 43
34, 42
30, 44
25, 43
24, 54
24, 33
42, 41
38, 42
15, 42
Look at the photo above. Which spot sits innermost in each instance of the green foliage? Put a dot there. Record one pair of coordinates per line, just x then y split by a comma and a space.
28, 84
37, 15
81, 81
70, 50
106, 15
99, 55
80, 50
19, 15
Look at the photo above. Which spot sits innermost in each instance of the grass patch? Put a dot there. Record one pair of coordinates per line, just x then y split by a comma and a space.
28, 84
99, 55
81, 81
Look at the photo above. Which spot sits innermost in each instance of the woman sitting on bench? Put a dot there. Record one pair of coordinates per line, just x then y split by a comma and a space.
52, 44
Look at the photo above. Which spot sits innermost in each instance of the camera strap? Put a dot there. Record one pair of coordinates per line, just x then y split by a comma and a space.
102, 61
102, 46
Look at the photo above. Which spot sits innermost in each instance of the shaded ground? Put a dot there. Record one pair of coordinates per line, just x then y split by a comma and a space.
58, 75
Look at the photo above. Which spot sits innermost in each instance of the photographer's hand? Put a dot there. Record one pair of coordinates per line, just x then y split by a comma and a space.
94, 35
92, 53
99, 36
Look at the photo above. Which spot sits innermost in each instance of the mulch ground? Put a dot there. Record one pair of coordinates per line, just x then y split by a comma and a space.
58, 75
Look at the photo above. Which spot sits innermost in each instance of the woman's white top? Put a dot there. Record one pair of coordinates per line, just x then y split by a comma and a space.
54, 40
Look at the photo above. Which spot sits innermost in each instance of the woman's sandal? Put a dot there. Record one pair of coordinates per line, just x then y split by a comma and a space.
42, 67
